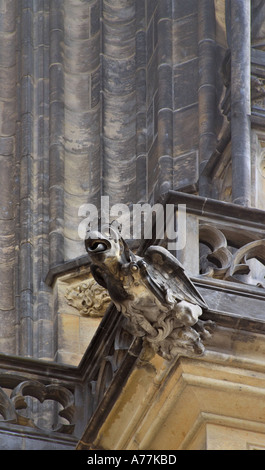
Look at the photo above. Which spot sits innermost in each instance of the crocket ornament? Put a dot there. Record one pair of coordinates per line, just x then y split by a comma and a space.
160, 302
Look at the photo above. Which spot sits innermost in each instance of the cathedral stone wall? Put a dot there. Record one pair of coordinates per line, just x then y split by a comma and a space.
142, 101
98, 98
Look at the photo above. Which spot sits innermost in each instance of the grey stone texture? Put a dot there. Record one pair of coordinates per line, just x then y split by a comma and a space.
98, 97
130, 99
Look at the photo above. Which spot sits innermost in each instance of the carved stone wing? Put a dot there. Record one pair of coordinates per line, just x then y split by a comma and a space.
166, 278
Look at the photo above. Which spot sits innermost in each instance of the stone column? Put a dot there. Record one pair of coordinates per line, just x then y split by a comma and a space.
119, 101
240, 101
25, 87
82, 108
8, 174
207, 85
34, 319
140, 84
56, 133
164, 98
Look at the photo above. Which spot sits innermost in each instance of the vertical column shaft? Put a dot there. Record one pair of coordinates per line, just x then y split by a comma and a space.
8, 190
240, 101
25, 158
56, 134
207, 86
43, 346
119, 100
82, 163
140, 79
165, 97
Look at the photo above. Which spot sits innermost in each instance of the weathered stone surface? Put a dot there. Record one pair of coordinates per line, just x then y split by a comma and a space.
125, 99
186, 170
186, 90
186, 129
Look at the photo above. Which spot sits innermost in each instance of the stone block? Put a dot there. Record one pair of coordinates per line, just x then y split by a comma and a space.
56, 89
183, 9
186, 84
77, 91
7, 82
80, 305
140, 48
8, 16
7, 285
14, 438
150, 40
8, 321
77, 21
7, 117
68, 332
165, 133
221, 437
6, 185
56, 46
119, 116
150, 9
88, 328
7, 145
95, 87
165, 93
185, 39
7, 49
185, 170
118, 75
164, 32
151, 78
7, 241
82, 56
186, 129
94, 18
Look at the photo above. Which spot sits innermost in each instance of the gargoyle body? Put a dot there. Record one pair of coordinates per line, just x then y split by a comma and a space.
153, 292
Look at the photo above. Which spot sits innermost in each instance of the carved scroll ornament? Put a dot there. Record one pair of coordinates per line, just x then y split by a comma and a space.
153, 292
224, 262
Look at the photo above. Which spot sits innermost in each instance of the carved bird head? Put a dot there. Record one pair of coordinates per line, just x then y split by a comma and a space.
107, 247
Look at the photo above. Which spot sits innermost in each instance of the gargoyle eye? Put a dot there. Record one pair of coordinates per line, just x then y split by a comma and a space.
97, 246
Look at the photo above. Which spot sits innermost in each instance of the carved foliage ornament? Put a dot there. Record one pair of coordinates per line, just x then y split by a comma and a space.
153, 292
89, 298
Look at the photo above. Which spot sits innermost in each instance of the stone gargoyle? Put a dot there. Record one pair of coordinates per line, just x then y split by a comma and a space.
153, 292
